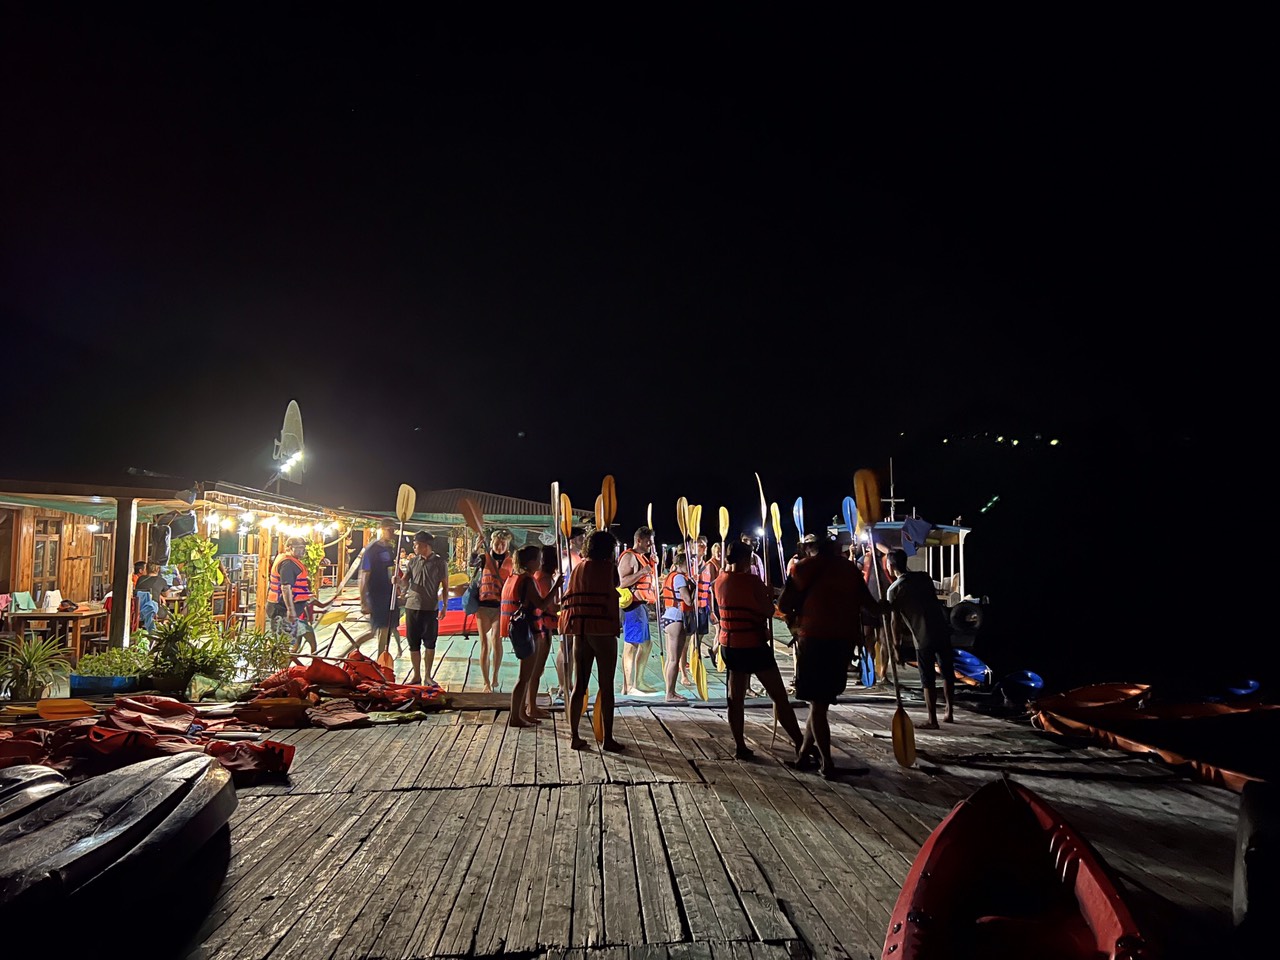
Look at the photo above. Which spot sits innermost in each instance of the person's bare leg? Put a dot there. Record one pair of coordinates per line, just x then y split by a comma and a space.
564, 667
672, 635
628, 665
642, 664
948, 689
384, 639
539, 658
737, 690
415, 658
487, 628
771, 680
683, 655
519, 693
496, 646
822, 736
582, 674
607, 665
428, 663
931, 708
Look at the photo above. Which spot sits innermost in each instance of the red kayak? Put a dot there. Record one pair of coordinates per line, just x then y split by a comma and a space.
1005, 876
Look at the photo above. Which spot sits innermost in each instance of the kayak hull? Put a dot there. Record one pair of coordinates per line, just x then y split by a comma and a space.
26, 786
1004, 875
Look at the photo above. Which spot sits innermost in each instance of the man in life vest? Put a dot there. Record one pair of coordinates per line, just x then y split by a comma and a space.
289, 595
744, 606
589, 615
637, 572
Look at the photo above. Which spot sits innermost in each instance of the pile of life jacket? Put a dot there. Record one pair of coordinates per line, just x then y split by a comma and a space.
290, 697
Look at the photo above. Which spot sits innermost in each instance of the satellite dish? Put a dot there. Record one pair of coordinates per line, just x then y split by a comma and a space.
288, 449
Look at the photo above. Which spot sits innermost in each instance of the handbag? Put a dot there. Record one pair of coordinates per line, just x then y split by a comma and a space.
471, 597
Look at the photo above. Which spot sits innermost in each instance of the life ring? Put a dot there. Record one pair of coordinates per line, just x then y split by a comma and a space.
967, 617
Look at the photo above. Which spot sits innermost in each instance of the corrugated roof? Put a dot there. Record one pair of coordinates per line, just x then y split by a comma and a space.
491, 504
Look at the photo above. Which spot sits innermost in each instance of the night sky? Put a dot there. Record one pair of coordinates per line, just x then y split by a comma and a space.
493, 255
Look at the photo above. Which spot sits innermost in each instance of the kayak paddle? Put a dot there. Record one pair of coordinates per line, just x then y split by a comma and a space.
777, 536
60, 708
797, 514
764, 519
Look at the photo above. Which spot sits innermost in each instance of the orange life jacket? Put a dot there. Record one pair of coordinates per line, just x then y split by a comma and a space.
301, 586
590, 602
710, 570
643, 589
512, 596
545, 621
745, 605
669, 598
493, 577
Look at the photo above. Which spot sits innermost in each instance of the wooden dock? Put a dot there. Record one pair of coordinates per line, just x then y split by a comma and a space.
460, 837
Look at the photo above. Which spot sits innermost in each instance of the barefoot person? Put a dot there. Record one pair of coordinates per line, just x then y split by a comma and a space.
589, 616
677, 610
637, 572
545, 578
377, 574
493, 567
705, 570
823, 597
426, 586
564, 653
520, 594
744, 605
914, 598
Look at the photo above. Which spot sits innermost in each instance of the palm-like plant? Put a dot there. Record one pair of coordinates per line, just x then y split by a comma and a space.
29, 664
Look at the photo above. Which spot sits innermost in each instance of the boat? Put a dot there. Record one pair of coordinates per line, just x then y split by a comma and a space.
1218, 741
25, 786
1004, 875
141, 821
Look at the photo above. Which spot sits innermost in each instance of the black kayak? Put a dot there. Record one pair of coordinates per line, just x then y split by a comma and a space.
143, 819
26, 786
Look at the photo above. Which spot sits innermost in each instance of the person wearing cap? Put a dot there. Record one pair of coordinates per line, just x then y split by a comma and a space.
426, 586
823, 597
289, 594
914, 598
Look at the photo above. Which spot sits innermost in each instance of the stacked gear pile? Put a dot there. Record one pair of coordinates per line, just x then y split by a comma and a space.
140, 728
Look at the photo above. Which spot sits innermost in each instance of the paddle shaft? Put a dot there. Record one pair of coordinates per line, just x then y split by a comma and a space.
884, 620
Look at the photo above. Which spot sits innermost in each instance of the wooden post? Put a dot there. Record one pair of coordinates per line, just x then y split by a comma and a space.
265, 538
122, 570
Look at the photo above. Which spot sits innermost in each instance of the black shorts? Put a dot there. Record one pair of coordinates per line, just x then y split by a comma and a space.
421, 628
704, 621
748, 660
926, 656
381, 615
822, 669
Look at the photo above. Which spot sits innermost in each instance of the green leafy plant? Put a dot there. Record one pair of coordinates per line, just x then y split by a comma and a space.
29, 664
312, 560
132, 661
258, 653
197, 557
186, 645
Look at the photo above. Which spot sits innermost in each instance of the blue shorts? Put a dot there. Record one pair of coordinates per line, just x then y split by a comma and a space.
635, 625
381, 615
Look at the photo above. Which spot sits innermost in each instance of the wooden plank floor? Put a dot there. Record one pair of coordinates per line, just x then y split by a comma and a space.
460, 837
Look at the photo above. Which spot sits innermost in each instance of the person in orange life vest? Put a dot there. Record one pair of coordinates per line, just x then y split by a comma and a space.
589, 614
678, 599
289, 594
545, 578
493, 569
744, 606
637, 572
824, 596
705, 570
564, 653
377, 584
426, 591
520, 592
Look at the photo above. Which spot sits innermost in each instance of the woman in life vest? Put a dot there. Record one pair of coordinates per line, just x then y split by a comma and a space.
745, 606
707, 568
492, 568
589, 615
677, 616
545, 578
520, 592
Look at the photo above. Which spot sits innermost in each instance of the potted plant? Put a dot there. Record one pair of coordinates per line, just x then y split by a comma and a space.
172, 642
117, 670
28, 664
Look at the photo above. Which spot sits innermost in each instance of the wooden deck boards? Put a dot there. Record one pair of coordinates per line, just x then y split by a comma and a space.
460, 837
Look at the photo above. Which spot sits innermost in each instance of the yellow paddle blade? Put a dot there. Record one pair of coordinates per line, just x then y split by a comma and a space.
386, 660
10, 710
64, 709
724, 522
682, 516
406, 500
904, 738
776, 517
764, 505
471, 515
648, 517
695, 521
609, 496
699, 670
566, 516
597, 719
719, 661
866, 490
600, 521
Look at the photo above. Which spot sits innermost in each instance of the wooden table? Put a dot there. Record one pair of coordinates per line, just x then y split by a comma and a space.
71, 624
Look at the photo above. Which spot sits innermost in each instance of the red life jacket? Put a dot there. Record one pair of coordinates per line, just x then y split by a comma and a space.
301, 586
642, 589
512, 596
745, 606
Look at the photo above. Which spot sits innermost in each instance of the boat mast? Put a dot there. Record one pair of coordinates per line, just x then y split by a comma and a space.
891, 499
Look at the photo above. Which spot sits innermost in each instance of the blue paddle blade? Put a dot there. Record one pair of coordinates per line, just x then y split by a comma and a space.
850, 515
797, 514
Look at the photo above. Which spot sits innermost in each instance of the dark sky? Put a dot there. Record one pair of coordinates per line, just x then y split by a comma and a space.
498, 254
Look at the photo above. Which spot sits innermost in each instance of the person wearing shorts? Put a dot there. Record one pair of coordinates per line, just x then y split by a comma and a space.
913, 597
377, 571
589, 614
426, 587
637, 572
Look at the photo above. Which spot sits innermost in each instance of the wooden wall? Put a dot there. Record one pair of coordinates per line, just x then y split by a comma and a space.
75, 555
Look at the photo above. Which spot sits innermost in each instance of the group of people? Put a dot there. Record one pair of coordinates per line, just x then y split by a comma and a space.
598, 593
